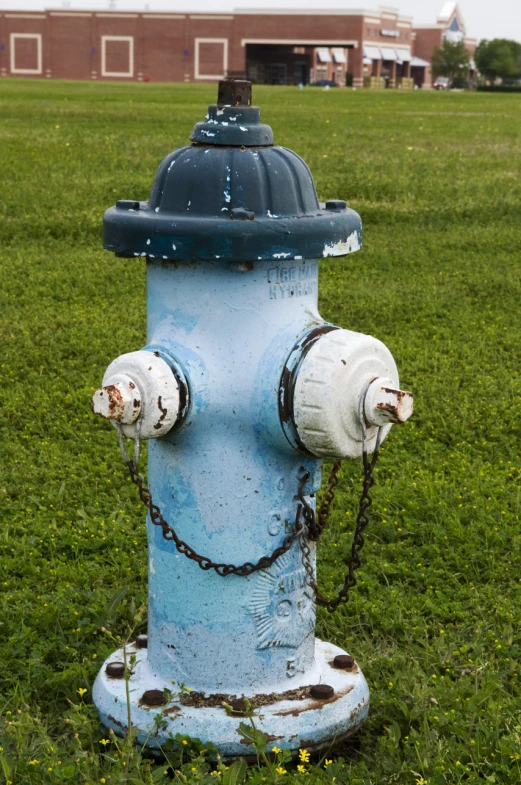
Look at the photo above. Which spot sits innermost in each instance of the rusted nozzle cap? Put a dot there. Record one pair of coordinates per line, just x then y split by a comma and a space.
234, 92
119, 400
385, 404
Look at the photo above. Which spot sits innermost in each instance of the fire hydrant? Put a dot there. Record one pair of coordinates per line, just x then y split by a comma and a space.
242, 391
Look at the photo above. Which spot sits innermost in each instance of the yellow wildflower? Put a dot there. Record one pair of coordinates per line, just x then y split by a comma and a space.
280, 770
33, 762
105, 742
304, 756
184, 742
301, 769
81, 692
328, 762
276, 750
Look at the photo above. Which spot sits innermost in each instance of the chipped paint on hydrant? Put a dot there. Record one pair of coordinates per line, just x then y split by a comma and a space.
242, 389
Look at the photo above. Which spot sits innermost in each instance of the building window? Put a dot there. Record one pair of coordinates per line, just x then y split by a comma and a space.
275, 73
117, 55
26, 53
211, 58
454, 26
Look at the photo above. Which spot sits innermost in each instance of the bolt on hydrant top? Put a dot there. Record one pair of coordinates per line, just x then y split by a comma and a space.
232, 195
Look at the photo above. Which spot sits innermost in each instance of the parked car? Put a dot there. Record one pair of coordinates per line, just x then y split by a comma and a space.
324, 83
441, 83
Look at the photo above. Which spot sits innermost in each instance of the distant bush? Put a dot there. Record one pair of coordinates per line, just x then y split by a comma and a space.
500, 88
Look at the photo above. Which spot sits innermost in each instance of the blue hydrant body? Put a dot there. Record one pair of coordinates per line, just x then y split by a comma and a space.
228, 479
238, 392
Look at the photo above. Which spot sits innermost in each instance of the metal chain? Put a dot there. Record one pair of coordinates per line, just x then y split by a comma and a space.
169, 533
354, 561
309, 529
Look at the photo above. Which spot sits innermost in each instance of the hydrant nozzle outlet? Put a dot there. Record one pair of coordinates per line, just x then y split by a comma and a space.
384, 404
339, 368
141, 384
118, 400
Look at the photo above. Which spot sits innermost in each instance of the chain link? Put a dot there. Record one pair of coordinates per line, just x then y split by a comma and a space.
362, 520
308, 526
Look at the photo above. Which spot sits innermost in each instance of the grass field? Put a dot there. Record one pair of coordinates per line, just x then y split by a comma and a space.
435, 620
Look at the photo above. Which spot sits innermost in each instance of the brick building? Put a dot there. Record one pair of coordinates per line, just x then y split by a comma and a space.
273, 46
449, 26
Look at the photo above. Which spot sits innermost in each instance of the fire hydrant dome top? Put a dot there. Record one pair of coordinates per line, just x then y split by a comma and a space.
233, 196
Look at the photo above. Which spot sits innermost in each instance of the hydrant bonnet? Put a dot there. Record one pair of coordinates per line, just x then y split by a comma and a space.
232, 196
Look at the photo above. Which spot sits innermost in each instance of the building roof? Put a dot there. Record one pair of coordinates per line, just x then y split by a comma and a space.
418, 61
448, 11
333, 7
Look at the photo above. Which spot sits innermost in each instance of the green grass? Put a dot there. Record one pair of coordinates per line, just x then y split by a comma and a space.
435, 620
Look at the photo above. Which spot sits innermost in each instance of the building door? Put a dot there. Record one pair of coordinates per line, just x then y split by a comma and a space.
275, 73
301, 73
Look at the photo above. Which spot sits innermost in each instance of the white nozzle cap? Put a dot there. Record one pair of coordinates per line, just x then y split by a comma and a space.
139, 384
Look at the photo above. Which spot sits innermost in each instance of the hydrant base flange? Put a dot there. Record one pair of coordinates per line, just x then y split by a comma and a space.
289, 723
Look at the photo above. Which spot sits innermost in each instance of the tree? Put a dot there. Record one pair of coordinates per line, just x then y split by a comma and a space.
499, 58
451, 60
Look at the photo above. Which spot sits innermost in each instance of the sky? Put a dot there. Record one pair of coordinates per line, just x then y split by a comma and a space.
483, 18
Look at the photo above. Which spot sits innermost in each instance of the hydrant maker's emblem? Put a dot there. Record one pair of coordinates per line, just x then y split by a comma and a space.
242, 390
282, 605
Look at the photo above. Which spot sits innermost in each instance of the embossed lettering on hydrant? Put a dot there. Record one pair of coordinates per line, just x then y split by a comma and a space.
295, 281
282, 605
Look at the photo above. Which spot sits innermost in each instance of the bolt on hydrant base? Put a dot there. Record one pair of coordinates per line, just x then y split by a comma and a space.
242, 391
309, 722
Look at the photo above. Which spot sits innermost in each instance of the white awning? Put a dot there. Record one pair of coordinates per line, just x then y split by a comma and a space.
372, 52
367, 60
418, 62
403, 55
323, 55
339, 56
388, 54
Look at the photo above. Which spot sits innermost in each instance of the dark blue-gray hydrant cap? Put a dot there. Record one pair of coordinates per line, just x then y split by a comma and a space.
233, 120
232, 196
